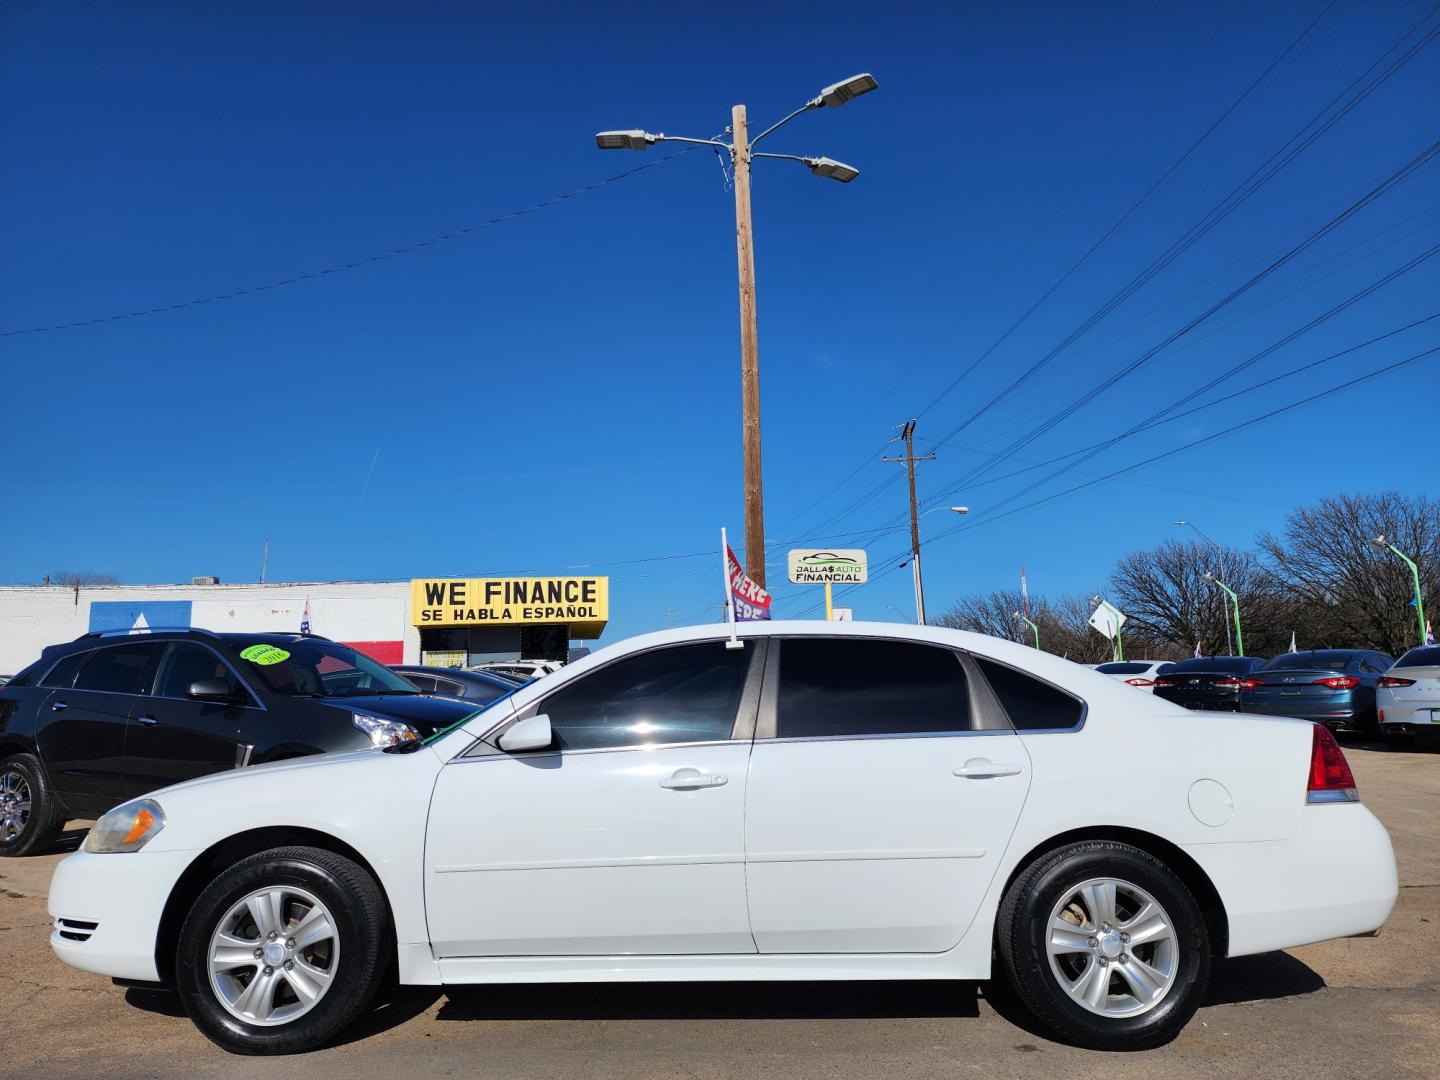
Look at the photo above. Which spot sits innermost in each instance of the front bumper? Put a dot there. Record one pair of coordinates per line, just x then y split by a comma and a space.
106, 910
1335, 878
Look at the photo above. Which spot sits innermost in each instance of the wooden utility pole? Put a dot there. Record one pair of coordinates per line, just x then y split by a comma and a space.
908, 434
749, 354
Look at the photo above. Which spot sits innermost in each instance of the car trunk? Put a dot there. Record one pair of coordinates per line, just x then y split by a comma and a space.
1297, 684
1426, 687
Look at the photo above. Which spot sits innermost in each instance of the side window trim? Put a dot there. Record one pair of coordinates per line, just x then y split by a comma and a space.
767, 721
743, 729
255, 702
84, 655
152, 664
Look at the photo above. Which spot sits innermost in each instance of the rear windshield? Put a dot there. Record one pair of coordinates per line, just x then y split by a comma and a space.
1226, 664
1426, 656
1311, 661
1123, 668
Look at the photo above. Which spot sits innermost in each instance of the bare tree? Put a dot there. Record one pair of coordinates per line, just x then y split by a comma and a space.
1064, 628
82, 579
1350, 591
1173, 608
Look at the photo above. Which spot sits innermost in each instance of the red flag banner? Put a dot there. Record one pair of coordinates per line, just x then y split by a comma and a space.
750, 601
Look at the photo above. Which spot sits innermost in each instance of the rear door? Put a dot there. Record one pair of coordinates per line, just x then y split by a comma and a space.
172, 737
882, 796
83, 738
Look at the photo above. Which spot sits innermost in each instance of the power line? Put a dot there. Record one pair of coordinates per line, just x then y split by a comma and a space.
355, 264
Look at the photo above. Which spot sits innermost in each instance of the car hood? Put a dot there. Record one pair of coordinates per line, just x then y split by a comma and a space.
425, 714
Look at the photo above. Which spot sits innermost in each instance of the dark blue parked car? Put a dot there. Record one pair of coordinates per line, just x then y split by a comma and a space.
1334, 687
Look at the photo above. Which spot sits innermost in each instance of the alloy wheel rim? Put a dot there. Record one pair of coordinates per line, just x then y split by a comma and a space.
15, 800
273, 956
1112, 947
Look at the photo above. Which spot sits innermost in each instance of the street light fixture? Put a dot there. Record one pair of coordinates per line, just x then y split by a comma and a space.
1229, 644
1239, 639
742, 151
1381, 542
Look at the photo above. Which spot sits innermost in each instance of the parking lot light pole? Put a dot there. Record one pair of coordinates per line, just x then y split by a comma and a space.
1021, 616
742, 151
1381, 542
1239, 640
1229, 644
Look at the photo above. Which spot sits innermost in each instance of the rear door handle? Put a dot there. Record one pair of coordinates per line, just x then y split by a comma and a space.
980, 769
148, 721
692, 779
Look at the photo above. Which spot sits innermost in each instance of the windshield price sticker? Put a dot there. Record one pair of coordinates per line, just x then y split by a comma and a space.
263, 655
840, 566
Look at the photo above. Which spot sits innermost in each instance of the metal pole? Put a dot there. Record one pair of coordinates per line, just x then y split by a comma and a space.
908, 434
1419, 600
264, 558
749, 354
829, 603
1234, 599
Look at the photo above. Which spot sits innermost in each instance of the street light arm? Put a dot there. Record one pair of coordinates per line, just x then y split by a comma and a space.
815, 103
697, 142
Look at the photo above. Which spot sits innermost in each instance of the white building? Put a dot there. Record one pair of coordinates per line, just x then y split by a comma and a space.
473, 619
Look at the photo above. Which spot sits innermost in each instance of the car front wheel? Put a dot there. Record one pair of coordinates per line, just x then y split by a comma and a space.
282, 951
1105, 945
29, 814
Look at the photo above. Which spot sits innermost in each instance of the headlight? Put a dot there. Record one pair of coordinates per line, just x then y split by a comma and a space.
126, 828
384, 732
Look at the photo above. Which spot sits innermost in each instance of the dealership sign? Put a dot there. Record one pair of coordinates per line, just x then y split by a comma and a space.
510, 601
821, 566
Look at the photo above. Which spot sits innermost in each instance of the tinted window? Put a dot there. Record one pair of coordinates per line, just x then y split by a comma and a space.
311, 668
851, 686
116, 670
1123, 668
1337, 659
1426, 656
422, 682
1032, 705
1229, 664
690, 693
63, 673
186, 663
478, 692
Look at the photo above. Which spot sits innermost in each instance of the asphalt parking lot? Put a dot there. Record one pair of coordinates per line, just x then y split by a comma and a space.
1366, 1006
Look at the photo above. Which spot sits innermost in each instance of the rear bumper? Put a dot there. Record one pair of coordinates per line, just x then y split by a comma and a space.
106, 909
1203, 704
1335, 878
1418, 715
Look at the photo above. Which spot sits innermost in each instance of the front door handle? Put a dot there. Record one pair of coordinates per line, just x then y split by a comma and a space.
148, 721
981, 769
692, 779
58, 706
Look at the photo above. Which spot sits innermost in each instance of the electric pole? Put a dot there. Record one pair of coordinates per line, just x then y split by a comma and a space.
749, 354
908, 434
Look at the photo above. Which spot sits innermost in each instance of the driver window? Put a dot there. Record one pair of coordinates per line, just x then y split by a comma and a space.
688, 693
184, 664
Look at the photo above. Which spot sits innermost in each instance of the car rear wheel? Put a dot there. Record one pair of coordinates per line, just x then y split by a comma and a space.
1105, 945
282, 951
30, 816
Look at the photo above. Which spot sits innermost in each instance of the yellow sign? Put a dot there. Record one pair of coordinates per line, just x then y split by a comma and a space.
583, 602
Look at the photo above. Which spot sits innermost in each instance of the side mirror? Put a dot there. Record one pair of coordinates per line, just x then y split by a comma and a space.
531, 734
212, 690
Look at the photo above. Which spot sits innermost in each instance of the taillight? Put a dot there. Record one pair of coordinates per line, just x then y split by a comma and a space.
1392, 680
1330, 777
1339, 682
1227, 684
1164, 680
1139, 682
1250, 684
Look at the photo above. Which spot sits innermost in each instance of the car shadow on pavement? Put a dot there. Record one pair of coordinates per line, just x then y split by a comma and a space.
713, 1001
1260, 978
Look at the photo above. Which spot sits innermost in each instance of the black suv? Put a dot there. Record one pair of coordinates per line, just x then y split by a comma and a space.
115, 714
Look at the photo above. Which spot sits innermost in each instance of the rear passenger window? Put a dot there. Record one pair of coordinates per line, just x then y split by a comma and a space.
63, 673
1032, 705
855, 686
116, 670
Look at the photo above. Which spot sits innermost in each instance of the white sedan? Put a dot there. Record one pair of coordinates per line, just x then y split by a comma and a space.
1137, 673
815, 801
1407, 697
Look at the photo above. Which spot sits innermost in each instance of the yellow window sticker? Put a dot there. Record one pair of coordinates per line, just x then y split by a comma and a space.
263, 654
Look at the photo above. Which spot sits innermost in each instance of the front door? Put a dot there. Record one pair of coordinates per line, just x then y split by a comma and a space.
881, 798
626, 836
173, 737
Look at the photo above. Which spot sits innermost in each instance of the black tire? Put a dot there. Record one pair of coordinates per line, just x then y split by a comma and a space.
361, 924
44, 818
1022, 930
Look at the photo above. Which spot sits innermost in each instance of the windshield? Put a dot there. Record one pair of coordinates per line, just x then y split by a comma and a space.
1123, 667
1425, 656
1309, 661
319, 669
1214, 664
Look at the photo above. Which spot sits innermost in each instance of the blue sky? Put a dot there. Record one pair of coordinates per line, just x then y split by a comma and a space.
561, 390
